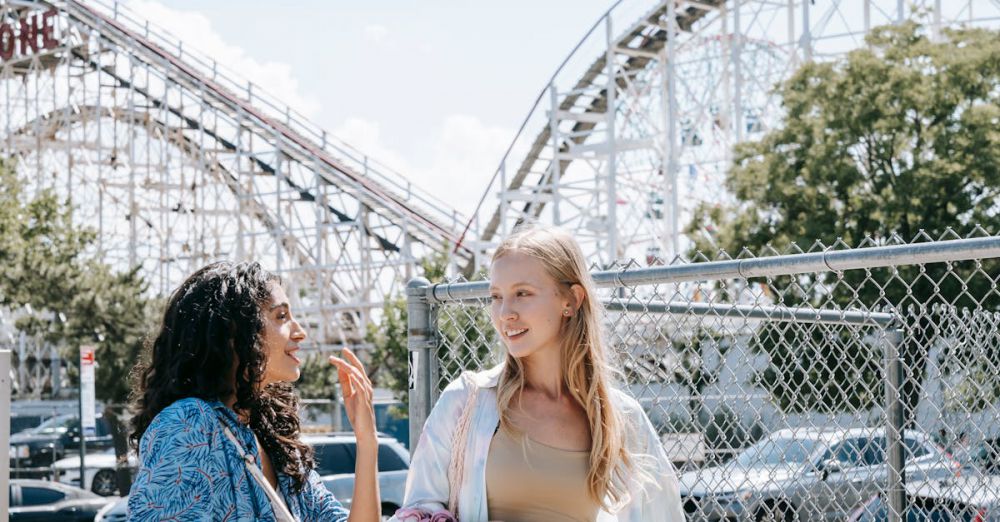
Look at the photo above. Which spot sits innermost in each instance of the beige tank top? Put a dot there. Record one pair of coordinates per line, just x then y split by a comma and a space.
527, 481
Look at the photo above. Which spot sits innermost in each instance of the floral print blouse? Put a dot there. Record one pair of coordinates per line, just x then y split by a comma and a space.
189, 470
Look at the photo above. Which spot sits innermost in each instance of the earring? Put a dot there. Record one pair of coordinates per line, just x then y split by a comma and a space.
566, 312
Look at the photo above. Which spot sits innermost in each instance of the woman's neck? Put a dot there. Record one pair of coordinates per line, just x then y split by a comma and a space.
543, 372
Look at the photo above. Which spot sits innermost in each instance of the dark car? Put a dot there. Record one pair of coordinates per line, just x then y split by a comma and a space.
32, 500
33, 451
19, 423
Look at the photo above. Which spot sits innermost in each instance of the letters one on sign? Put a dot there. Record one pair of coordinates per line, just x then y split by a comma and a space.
31, 34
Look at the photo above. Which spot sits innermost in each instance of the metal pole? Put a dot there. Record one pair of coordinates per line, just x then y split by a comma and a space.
736, 44
503, 199
831, 261
868, 16
611, 96
670, 82
806, 33
419, 341
895, 493
83, 436
5, 390
336, 412
557, 161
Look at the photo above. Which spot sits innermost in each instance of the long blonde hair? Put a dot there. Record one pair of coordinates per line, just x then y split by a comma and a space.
586, 370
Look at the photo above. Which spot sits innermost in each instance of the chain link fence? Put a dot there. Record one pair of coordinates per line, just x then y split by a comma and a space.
832, 383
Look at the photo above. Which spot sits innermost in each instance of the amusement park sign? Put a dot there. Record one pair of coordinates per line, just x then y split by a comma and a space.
31, 34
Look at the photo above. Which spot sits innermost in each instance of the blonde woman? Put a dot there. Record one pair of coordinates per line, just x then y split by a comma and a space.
544, 435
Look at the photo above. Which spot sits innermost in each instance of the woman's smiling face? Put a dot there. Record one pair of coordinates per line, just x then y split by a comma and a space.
280, 338
527, 306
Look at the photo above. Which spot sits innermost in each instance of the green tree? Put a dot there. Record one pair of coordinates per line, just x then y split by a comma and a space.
318, 378
897, 137
46, 261
465, 336
390, 363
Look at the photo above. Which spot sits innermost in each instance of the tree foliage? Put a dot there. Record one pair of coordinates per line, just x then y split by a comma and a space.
897, 137
47, 263
463, 335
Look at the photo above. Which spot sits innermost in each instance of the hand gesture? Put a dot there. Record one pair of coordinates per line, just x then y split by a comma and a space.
357, 391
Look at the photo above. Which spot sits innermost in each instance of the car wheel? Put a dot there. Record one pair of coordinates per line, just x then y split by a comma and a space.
773, 512
105, 483
388, 509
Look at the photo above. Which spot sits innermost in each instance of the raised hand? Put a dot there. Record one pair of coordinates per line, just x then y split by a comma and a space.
357, 390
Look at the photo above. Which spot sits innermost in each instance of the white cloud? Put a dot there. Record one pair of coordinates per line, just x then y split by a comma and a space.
376, 33
195, 30
464, 155
464, 151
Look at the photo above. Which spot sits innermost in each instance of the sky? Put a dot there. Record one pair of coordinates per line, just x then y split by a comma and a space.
435, 89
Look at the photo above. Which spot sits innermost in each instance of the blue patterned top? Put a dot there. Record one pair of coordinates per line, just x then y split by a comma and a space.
189, 470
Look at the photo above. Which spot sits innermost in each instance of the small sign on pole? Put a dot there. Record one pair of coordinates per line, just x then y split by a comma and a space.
88, 423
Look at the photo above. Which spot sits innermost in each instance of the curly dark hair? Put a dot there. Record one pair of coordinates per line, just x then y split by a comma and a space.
215, 320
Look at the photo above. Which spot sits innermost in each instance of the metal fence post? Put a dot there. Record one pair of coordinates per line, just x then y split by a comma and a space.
895, 492
418, 342
5, 391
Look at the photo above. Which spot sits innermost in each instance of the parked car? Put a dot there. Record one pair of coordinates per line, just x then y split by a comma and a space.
116, 511
984, 456
99, 476
38, 448
335, 459
968, 498
41, 500
19, 423
814, 474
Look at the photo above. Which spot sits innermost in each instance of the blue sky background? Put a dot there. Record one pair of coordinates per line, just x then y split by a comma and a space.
435, 88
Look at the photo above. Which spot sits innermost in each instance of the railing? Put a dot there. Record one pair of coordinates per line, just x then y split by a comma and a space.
439, 211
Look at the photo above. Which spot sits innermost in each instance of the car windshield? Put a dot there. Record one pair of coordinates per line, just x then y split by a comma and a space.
53, 426
334, 458
776, 452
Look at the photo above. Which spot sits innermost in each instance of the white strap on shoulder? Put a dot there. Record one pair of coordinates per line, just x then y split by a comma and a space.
281, 513
460, 439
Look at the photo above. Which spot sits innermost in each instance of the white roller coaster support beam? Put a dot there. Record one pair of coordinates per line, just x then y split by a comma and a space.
611, 223
670, 84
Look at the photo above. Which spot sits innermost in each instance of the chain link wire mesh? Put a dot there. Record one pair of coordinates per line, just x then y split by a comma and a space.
775, 397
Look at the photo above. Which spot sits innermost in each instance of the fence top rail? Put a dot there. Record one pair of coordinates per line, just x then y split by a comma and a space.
826, 261
757, 311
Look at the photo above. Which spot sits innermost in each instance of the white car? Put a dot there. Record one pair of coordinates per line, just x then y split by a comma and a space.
99, 475
114, 512
806, 474
335, 458
970, 497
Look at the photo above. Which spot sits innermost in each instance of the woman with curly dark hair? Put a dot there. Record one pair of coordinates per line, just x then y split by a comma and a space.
216, 420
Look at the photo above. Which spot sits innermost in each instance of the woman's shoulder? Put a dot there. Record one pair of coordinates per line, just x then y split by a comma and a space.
469, 380
191, 408
625, 402
188, 416
458, 393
